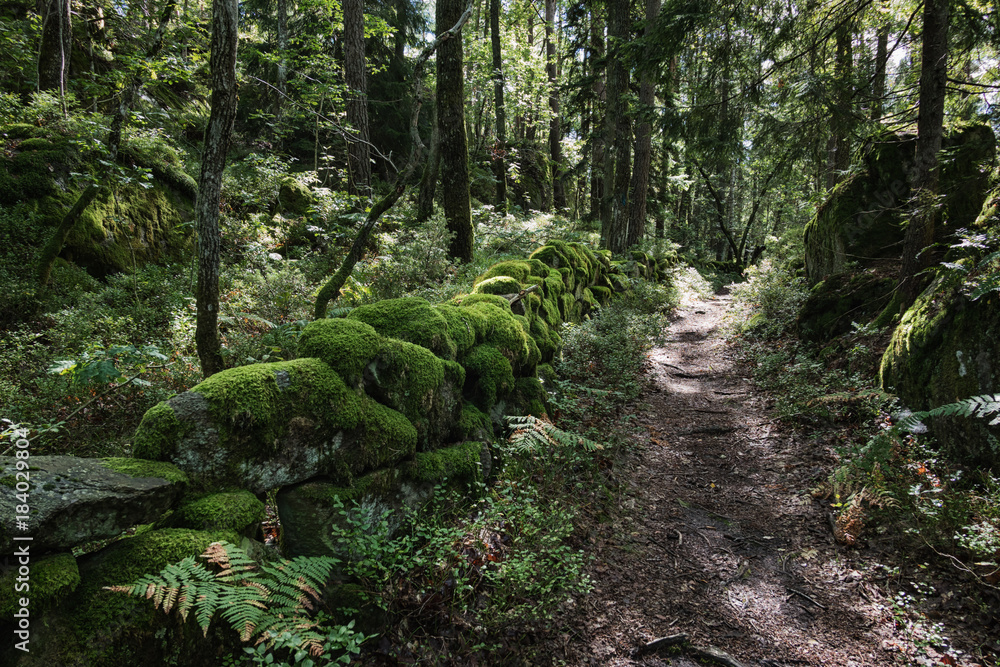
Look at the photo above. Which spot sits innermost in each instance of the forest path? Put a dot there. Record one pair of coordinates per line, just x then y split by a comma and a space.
720, 538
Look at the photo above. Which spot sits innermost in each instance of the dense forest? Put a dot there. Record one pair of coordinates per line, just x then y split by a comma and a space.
333, 326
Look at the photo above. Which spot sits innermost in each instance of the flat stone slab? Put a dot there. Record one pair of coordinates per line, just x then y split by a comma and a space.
71, 501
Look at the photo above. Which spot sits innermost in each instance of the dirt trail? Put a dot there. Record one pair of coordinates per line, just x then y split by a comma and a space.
723, 541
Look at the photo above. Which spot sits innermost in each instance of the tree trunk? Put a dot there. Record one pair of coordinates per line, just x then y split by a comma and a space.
428, 182
355, 76
281, 82
225, 34
881, 60
597, 143
930, 128
54, 47
643, 142
555, 124
617, 158
500, 150
456, 200
840, 142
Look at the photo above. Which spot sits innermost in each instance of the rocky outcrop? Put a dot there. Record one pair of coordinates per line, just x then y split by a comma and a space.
862, 221
72, 501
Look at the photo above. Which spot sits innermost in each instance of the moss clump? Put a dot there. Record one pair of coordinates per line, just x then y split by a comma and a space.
145, 468
388, 438
498, 285
52, 578
294, 198
543, 338
158, 432
519, 270
459, 463
474, 425
346, 346
601, 294
462, 328
493, 299
505, 333
488, 376
411, 319
529, 397
238, 511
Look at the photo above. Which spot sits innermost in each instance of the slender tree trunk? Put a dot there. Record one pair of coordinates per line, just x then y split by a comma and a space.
428, 182
881, 60
643, 142
457, 202
282, 79
840, 141
555, 123
500, 150
355, 76
54, 47
617, 159
225, 35
930, 128
598, 101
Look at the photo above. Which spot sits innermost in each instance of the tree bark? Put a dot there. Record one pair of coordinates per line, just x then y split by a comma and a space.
355, 76
282, 74
54, 47
225, 35
878, 84
555, 123
839, 147
428, 182
456, 200
930, 128
643, 142
617, 139
500, 150
597, 144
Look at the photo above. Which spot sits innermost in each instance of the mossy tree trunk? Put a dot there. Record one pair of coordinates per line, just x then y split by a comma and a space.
555, 123
428, 182
456, 199
225, 36
500, 152
355, 76
54, 47
930, 128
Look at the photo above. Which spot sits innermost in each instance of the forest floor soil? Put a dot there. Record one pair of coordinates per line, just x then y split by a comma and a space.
718, 538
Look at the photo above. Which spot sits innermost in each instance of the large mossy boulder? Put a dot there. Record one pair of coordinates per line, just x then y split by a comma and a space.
863, 218
947, 348
841, 300
411, 319
74, 500
263, 426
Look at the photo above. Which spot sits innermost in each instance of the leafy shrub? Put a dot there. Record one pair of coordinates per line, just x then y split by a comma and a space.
767, 304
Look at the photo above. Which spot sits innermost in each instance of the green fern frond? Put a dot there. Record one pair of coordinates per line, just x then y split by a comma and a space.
980, 407
530, 433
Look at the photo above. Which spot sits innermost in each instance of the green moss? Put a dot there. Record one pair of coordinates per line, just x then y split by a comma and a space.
9, 481
529, 397
474, 424
498, 285
554, 285
568, 277
461, 327
294, 198
52, 579
549, 311
158, 432
461, 462
519, 270
346, 346
492, 299
538, 267
238, 511
411, 319
568, 309
146, 468
601, 294
505, 333
488, 375
551, 254
388, 438
542, 336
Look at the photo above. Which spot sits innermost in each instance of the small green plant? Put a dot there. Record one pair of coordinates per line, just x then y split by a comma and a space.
274, 603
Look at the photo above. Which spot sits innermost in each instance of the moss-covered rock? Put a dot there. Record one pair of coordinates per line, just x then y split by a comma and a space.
346, 346
947, 348
498, 285
294, 198
519, 270
52, 578
425, 389
473, 424
504, 332
411, 319
461, 465
464, 326
238, 511
257, 427
488, 376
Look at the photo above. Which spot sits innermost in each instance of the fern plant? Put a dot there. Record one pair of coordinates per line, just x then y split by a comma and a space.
529, 434
977, 406
258, 600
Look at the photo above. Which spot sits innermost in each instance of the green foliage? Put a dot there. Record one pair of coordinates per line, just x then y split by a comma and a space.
273, 603
767, 304
529, 435
981, 407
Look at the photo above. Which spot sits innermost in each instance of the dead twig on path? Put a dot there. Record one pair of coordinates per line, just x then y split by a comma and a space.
806, 596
